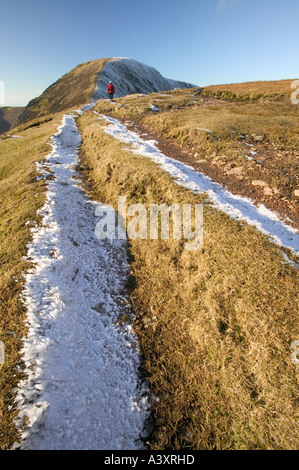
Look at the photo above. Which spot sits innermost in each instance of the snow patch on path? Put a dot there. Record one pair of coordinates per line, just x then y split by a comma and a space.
83, 390
237, 207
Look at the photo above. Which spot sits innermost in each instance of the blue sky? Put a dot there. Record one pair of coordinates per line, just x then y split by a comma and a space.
200, 41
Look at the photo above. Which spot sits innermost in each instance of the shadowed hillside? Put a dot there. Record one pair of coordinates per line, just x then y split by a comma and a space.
9, 118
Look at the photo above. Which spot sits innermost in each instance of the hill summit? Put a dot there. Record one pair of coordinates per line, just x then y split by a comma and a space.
130, 76
88, 82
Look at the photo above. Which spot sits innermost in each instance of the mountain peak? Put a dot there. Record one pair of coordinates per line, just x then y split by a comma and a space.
131, 76
88, 82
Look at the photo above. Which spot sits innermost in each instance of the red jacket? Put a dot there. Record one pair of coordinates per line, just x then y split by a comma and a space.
110, 88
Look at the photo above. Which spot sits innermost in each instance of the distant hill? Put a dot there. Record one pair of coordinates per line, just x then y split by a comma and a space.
88, 82
9, 118
274, 89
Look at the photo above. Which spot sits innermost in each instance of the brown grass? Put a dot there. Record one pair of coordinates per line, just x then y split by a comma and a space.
276, 89
74, 88
219, 131
215, 326
21, 196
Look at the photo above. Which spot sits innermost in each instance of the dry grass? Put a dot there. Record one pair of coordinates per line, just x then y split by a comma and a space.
276, 124
274, 90
219, 131
74, 88
215, 326
21, 196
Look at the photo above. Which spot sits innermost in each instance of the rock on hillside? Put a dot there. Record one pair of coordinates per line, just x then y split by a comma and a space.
88, 82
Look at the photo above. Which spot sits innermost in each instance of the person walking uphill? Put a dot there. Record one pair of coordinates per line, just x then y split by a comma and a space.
110, 90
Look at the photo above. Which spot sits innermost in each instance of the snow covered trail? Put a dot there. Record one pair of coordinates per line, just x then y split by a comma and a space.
237, 207
83, 390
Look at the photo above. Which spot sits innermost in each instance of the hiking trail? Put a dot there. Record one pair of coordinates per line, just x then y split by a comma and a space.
83, 389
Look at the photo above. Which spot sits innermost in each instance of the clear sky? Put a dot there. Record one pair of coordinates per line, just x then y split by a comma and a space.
204, 42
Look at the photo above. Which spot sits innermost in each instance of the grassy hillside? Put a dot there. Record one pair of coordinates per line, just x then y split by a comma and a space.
279, 90
252, 147
215, 326
79, 85
74, 88
21, 196
9, 117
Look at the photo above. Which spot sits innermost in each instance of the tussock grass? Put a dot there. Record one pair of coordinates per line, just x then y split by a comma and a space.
219, 131
187, 118
275, 122
21, 196
214, 325
279, 90
230, 126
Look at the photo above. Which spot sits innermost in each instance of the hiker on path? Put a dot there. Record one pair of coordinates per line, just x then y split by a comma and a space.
110, 90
